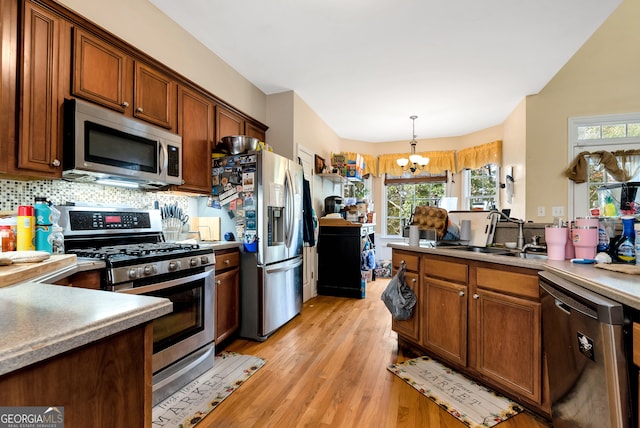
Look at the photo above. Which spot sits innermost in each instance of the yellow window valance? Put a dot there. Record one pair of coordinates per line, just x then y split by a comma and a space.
479, 156
439, 162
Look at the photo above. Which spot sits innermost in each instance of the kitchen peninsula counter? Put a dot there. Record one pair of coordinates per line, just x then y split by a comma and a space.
623, 288
41, 321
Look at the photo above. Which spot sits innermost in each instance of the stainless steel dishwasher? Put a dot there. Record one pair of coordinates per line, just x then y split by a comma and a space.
584, 346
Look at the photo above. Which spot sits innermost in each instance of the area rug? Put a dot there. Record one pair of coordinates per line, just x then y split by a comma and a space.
192, 403
473, 404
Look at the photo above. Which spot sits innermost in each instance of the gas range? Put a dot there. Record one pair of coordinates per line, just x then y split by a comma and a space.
131, 243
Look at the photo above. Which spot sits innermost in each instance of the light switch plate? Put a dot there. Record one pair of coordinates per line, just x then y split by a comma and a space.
541, 212
557, 211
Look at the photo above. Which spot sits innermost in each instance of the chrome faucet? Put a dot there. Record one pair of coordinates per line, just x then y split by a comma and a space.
520, 223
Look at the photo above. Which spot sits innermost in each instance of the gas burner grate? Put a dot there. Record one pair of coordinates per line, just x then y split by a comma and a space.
134, 250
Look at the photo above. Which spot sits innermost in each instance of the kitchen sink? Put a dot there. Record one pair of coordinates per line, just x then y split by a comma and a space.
533, 256
485, 250
500, 252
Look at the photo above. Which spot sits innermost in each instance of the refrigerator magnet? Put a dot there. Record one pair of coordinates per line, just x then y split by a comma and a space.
247, 181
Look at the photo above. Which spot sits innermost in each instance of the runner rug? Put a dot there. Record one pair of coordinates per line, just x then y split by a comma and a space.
192, 403
473, 404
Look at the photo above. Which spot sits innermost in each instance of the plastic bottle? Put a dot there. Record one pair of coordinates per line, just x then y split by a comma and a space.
57, 240
44, 222
25, 228
7, 239
625, 245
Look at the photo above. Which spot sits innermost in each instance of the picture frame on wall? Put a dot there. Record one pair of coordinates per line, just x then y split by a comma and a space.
319, 165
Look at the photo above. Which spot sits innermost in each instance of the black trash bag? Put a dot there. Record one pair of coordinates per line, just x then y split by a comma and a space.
398, 297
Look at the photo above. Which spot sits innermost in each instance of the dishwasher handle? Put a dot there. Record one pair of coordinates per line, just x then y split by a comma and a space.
570, 296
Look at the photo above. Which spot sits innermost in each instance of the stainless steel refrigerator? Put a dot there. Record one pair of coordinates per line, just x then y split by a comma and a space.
270, 277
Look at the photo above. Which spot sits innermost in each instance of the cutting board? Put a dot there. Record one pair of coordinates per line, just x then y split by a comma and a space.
19, 272
209, 227
482, 228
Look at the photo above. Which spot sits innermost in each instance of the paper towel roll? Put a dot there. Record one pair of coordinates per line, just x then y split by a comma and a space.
414, 236
465, 230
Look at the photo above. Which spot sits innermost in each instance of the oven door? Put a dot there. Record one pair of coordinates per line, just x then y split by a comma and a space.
190, 325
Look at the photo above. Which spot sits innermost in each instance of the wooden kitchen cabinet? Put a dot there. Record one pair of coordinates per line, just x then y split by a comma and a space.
482, 318
505, 329
195, 125
101, 384
444, 324
228, 123
410, 328
106, 75
231, 123
32, 57
227, 294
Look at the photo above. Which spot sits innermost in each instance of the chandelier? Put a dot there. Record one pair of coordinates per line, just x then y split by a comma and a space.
415, 161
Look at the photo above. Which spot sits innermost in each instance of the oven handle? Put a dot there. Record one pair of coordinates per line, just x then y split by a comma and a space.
165, 284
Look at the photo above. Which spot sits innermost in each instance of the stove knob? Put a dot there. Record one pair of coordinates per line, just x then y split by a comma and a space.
193, 262
204, 260
150, 270
133, 273
173, 266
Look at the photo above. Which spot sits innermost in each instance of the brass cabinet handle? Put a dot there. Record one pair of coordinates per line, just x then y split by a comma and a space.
218, 282
461, 293
476, 296
139, 110
125, 104
55, 163
226, 262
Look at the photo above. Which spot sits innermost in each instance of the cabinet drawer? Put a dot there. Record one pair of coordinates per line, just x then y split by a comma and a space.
412, 260
444, 269
510, 282
227, 260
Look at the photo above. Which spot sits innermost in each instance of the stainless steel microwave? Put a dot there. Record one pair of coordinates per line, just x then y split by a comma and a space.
106, 147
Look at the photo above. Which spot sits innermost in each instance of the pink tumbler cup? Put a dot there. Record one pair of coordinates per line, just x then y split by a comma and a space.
556, 239
569, 250
585, 241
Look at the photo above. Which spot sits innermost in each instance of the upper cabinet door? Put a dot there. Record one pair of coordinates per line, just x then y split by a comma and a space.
155, 95
195, 124
101, 72
253, 130
227, 123
39, 92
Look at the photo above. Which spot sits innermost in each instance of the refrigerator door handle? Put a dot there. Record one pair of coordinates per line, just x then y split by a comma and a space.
290, 209
286, 267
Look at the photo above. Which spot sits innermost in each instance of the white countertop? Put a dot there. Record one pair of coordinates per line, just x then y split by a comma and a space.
623, 288
39, 321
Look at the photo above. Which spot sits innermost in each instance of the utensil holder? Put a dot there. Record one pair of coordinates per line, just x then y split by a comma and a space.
172, 229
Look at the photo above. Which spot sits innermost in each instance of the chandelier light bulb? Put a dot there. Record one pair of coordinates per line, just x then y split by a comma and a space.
415, 158
403, 162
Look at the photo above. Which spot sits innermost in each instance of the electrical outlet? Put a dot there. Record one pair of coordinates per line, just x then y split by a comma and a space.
541, 212
557, 211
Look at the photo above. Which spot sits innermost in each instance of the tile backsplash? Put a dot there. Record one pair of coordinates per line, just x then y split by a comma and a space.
15, 193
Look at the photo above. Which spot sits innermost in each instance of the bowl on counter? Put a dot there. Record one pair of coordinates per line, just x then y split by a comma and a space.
510, 245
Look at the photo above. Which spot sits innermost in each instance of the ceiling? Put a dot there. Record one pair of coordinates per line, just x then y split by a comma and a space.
365, 66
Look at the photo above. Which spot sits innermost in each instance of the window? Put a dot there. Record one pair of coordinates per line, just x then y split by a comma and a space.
595, 133
404, 194
481, 187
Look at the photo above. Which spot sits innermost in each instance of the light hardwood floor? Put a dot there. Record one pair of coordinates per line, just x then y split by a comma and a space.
327, 368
